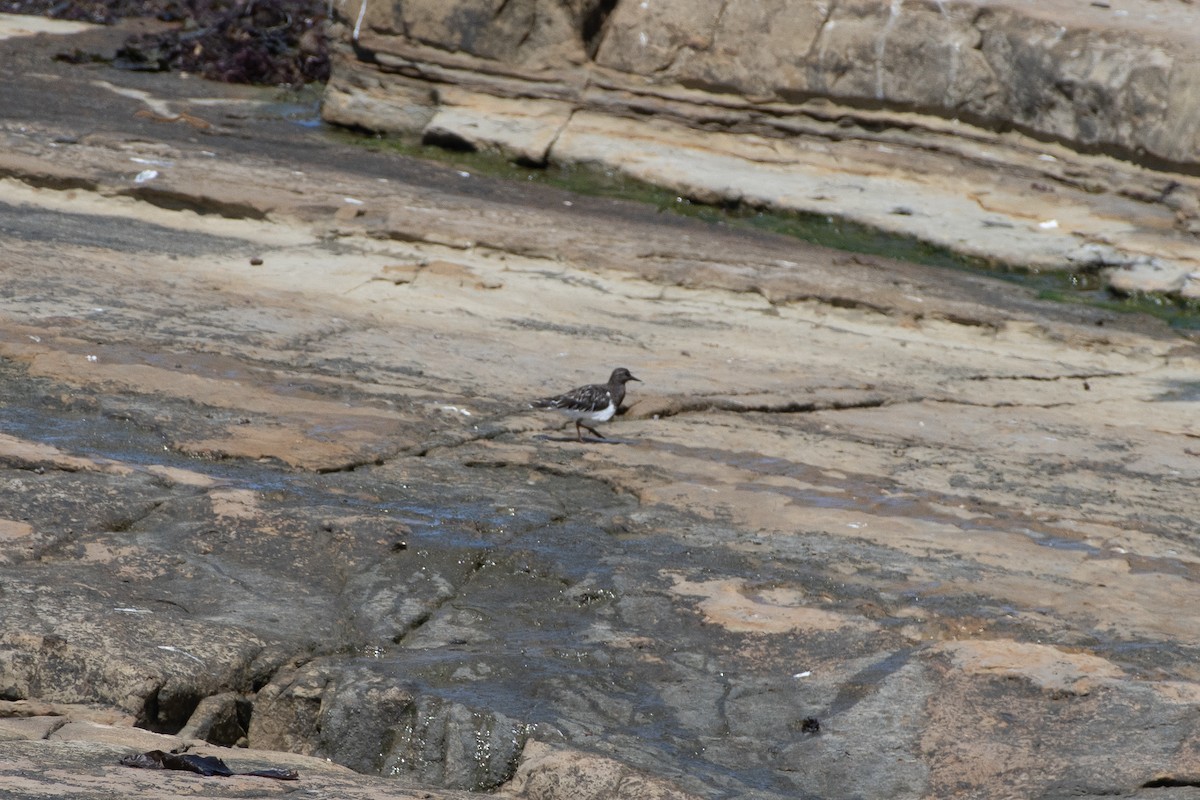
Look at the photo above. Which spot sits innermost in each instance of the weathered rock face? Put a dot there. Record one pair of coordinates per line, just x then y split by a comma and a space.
1069, 72
268, 477
364, 719
1054, 135
527, 32
1088, 76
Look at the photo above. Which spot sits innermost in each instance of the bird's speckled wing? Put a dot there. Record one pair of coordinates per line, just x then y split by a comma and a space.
585, 399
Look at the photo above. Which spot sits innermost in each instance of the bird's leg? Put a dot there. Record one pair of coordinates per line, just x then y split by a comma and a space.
595, 432
578, 432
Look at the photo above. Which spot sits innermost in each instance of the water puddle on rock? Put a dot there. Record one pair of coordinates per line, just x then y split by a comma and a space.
108, 438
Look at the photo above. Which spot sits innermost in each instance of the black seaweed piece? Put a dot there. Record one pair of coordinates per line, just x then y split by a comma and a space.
207, 766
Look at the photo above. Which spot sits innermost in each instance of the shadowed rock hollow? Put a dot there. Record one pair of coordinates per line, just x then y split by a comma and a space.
270, 479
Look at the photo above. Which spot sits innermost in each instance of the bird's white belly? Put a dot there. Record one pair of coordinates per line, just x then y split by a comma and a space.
599, 415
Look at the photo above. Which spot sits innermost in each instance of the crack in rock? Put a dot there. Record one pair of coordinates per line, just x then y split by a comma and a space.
1078, 376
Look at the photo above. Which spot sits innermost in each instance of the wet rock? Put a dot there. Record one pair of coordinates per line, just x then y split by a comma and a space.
456, 746
362, 719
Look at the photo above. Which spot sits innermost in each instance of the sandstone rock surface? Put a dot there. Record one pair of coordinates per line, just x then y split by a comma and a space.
268, 477
1050, 135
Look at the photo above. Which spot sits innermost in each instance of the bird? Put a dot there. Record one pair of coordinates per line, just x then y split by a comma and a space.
597, 402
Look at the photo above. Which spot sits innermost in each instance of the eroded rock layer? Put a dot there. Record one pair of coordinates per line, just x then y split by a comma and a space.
1049, 135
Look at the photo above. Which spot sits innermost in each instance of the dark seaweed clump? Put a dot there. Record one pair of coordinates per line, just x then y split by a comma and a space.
276, 42
99, 12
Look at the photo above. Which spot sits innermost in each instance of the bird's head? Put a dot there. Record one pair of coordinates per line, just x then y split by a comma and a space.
622, 375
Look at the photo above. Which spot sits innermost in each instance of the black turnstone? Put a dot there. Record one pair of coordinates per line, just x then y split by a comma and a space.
595, 403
